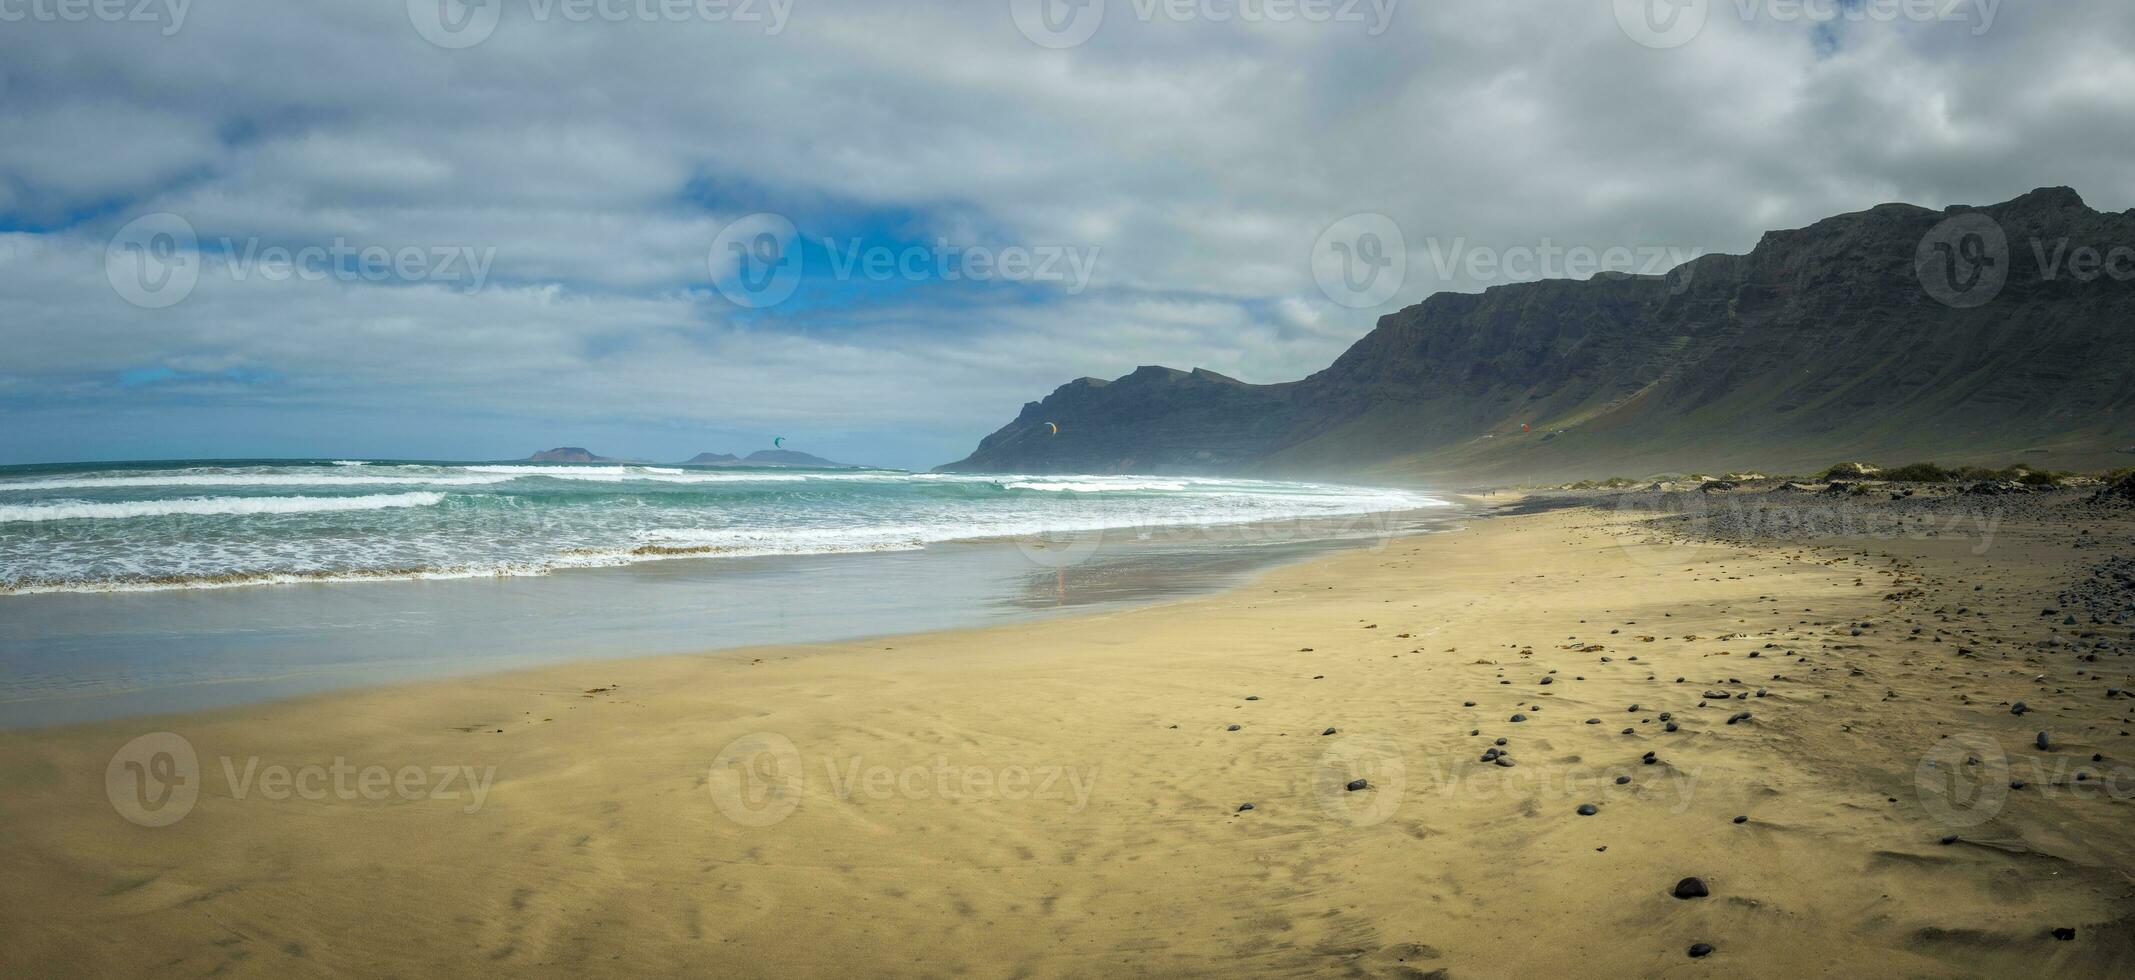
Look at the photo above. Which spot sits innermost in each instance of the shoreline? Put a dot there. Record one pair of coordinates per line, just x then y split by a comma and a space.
203, 654
1016, 798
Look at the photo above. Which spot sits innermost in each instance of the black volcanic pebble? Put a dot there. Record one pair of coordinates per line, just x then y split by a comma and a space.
1467, 704
1948, 839
1499, 742
1738, 716
1519, 717
1233, 728
1593, 721
1700, 950
1548, 680
1490, 755
1328, 732
1742, 819
1691, 888
1620, 780
2019, 708
1588, 809
1242, 807
1649, 758
1669, 727
1504, 760
2064, 934
1252, 697
1357, 784
2044, 743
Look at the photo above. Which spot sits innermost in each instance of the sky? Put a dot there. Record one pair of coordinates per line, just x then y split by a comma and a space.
427, 229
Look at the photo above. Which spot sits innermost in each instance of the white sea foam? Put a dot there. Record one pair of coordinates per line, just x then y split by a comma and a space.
249, 480
76, 510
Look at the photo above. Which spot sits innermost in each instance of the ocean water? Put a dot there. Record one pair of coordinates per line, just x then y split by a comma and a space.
147, 588
104, 528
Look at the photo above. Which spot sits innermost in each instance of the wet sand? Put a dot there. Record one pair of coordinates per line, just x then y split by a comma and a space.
1062, 798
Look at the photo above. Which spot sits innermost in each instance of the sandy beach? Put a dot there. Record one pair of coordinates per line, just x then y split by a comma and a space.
1065, 798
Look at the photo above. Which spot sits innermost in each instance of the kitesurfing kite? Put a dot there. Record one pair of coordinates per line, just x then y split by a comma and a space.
778, 442
1052, 429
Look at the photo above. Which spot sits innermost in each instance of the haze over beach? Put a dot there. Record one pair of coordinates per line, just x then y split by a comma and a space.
1030, 488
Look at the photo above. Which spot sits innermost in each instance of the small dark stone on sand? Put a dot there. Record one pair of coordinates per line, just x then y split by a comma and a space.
1233, 728
1328, 732
1948, 839
1467, 704
2044, 742
1357, 784
1742, 819
1620, 780
1588, 809
2019, 708
1700, 950
1242, 807
1519, 717
2064, 934
1691, 888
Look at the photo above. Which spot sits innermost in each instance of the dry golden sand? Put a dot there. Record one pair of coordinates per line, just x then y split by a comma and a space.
608, 843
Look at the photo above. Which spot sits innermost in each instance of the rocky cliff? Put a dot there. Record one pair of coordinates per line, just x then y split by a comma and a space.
1969, 335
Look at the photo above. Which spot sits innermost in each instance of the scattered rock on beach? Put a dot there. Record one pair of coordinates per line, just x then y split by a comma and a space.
1692, 887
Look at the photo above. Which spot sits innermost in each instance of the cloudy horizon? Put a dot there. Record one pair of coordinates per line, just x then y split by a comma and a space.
656, 227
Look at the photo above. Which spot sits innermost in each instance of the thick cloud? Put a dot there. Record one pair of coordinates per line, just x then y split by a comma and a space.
590, 155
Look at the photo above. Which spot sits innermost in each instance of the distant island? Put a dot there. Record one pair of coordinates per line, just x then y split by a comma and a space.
567, 454
762, 457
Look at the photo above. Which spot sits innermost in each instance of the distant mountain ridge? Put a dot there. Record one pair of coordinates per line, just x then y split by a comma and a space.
1823, 343
768, 457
